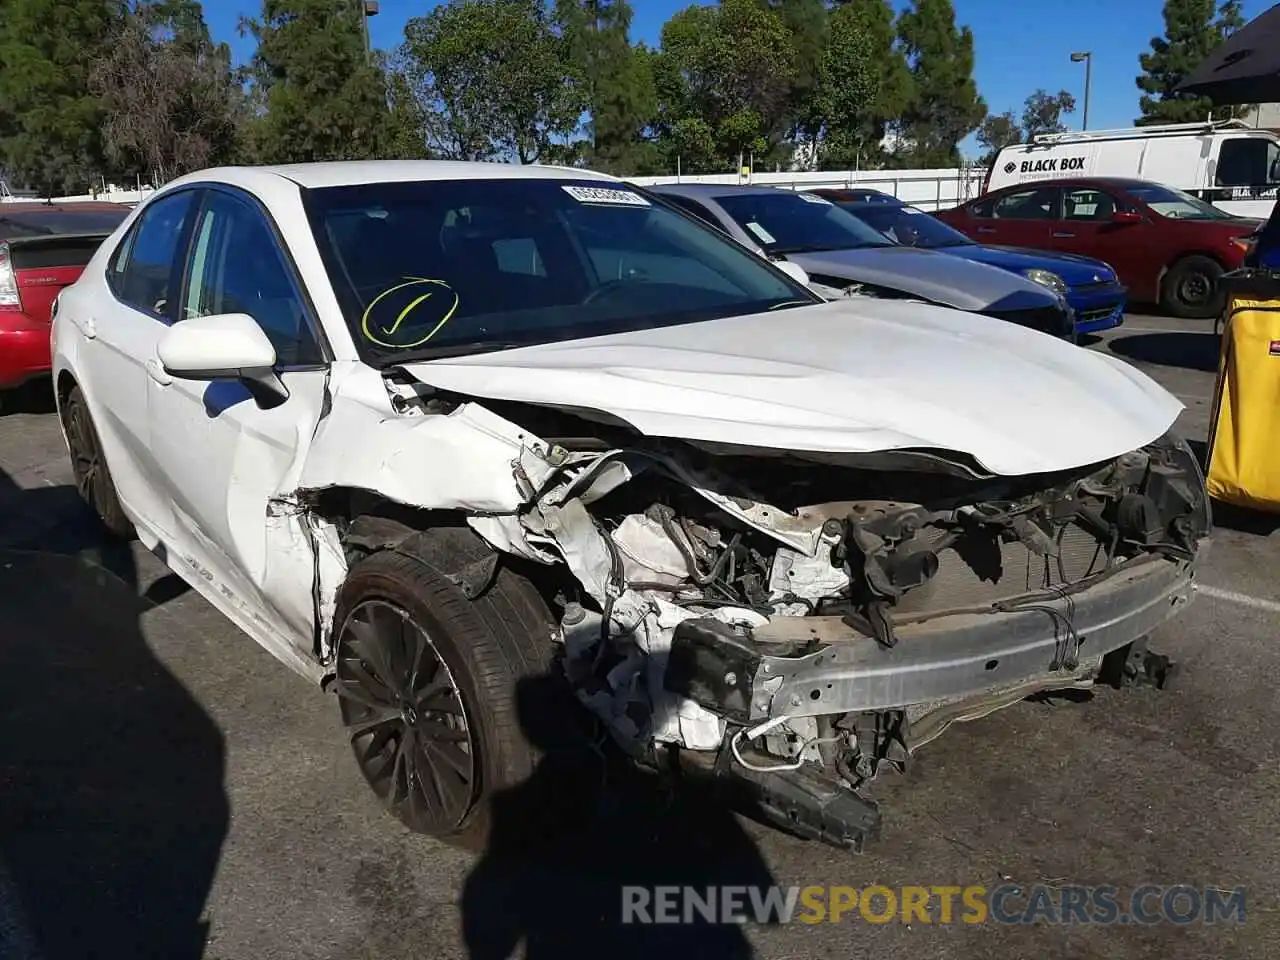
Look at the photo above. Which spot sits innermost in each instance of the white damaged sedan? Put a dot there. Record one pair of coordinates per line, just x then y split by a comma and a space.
426, 429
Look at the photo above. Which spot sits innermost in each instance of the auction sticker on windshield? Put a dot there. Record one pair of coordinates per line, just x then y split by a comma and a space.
763, 235
606, 195
814, 198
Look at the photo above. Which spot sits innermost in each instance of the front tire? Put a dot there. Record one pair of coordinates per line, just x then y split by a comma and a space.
1191, 290
89, 466
427, 689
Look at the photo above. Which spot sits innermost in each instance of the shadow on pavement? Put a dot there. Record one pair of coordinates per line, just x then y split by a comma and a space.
112, 805
33, 397
562, 848
1191, 351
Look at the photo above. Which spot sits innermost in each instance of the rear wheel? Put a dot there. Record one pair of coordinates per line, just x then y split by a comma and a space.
1191, 288
427, 688
89, 466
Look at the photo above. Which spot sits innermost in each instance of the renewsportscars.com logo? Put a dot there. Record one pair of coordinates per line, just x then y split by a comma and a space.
1005, 904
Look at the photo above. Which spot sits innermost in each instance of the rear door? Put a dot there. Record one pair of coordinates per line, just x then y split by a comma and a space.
1020, 217
121, 333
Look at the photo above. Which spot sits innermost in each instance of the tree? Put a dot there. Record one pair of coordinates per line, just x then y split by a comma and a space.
858, 117
1191, 34
1230, 18
844, 94
808, 26
1042, 113
726, 71
946, 107
406, 134
171, 104
998, 130
619, 82
321, 95
50, 121
494, 79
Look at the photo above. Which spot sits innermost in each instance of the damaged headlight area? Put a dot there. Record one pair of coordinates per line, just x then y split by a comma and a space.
802, 624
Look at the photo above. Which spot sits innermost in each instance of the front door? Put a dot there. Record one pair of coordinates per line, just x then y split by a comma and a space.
1020, 218
226, 458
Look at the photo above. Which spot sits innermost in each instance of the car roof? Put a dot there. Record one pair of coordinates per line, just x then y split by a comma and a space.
713, 190
889, 202
848, 192
1120, 183
346, 173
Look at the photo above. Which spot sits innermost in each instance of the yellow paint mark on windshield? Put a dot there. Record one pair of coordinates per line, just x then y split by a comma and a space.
397, 336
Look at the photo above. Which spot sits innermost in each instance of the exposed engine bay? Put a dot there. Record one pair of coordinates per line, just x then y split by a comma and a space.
808, 619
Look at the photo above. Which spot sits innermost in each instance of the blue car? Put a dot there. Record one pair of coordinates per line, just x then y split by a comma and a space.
1089, 286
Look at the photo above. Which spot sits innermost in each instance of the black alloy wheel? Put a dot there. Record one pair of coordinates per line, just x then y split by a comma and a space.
406, 721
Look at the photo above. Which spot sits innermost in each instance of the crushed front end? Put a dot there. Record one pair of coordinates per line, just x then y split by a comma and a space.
798, 625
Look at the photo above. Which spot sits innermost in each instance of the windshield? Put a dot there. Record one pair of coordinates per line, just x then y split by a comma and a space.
785, 222
46, 223
449, 267
1175, 204
907, 225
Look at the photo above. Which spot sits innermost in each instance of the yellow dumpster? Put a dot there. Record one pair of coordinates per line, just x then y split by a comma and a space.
1244, 434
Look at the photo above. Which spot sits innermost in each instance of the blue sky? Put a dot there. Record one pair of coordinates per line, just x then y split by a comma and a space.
1021, 44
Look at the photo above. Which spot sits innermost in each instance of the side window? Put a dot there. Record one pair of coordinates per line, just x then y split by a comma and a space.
1243, 162
1088, 205
237, 267
981, 209
146, 270
519, 255
1037, 203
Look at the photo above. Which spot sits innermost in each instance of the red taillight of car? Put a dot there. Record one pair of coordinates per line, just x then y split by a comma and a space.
10, 299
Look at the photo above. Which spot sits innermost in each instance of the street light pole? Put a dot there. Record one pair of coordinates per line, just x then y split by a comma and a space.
1087, 57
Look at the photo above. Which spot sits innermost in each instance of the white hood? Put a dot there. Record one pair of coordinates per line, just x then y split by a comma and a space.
854, 376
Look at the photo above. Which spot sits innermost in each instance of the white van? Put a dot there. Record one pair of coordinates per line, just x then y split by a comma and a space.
1230, 164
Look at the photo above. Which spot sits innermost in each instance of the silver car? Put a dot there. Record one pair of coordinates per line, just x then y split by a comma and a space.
843, 255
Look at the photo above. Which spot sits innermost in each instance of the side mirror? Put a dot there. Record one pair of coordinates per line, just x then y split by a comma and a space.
226, 346
1126, 216
793, 270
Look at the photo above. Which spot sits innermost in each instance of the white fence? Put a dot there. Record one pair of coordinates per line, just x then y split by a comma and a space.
110, 195
927, 189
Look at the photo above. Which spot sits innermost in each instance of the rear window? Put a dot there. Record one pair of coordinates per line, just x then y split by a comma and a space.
785, 222
48, 223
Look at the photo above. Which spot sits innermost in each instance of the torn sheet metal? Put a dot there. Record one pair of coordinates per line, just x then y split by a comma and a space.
633, 702
466, 459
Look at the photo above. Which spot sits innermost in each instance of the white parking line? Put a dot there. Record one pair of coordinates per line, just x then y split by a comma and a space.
1244, 599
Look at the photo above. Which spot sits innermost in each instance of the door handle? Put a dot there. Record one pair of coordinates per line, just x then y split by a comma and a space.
89, 327
155, 370
1059, 233
986, 230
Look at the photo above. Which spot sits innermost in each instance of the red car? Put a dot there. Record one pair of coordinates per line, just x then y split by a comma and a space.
1166, 246
43, 248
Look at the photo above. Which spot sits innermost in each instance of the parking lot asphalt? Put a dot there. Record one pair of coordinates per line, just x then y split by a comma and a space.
164, 782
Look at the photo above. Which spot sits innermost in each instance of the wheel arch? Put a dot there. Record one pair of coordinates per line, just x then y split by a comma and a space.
367, 523
1177, 259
